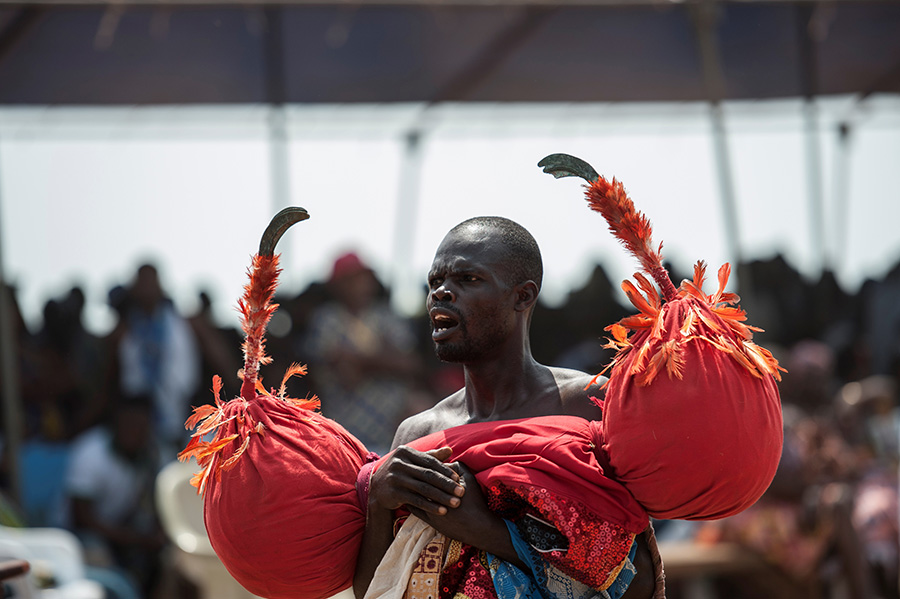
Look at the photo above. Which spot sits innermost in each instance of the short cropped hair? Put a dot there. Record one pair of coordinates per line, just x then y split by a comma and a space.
521, 254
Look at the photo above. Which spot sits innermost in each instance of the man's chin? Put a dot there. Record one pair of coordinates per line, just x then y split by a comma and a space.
452, 354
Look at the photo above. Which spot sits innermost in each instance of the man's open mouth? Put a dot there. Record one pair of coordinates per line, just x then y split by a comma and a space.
443, 323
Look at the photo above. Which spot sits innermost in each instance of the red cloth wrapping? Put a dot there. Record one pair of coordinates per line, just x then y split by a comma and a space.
558, 453
551, 467
285, 520
702, 447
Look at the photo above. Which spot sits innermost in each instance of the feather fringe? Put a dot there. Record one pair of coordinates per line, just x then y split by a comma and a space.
712, 318
256, 309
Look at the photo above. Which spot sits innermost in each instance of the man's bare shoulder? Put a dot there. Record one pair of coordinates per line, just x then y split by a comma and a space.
448, 412
577, 390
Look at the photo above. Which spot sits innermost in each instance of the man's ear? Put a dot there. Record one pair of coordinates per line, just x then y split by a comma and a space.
526, 295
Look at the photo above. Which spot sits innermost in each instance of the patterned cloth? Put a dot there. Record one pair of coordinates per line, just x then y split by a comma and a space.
423, 564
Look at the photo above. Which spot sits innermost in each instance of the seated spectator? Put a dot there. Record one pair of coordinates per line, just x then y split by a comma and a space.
109, 487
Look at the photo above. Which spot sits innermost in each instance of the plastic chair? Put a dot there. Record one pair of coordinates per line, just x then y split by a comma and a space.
22, 587
181, 513
56, 561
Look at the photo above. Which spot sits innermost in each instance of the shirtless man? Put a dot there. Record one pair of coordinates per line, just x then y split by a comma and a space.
483, 286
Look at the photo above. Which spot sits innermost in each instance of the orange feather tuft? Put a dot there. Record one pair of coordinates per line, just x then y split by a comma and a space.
638, 300
256, 309
200, 413
700, 273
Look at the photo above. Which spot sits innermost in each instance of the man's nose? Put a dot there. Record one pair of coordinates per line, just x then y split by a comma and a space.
442, 294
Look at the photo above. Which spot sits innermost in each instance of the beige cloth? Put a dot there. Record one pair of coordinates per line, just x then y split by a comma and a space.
393, 573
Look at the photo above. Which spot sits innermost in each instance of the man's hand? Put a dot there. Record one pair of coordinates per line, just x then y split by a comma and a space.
468, 514
419, 480
472, 522
446, 496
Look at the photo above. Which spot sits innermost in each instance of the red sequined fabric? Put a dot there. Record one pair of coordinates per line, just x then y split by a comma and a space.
596, 547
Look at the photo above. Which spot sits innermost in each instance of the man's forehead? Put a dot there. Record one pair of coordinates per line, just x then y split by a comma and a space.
469, 243
476, 235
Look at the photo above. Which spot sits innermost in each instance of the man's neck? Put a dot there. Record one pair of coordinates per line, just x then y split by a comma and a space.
503, 389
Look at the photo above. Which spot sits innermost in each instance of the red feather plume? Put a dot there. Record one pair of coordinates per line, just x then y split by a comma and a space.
630, 227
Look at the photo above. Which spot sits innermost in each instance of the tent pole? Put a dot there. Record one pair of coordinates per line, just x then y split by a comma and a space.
704, 16
19, 26
404, 298
12, 397
279, 150
842, 172
809, 87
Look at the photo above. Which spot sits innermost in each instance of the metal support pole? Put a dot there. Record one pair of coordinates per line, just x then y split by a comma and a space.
809, 87
279, 149
842, 172
814, 185
704, 16
9, 367
405, 295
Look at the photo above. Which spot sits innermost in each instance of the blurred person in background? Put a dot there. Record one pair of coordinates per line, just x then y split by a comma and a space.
219, 348
882, 322
70, 361
62, 399
109, 489
24, 370
828, 525
156, 354
870, 420
802, 527
362, 356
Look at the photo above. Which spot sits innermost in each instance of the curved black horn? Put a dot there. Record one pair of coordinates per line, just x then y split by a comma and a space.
280, 223
564, 165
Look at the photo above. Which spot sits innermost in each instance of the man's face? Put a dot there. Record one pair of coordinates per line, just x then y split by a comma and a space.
470, 305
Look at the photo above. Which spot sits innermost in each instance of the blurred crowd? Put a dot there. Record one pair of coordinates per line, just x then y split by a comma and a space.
102, 415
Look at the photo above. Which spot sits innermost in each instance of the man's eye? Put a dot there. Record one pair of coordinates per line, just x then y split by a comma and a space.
470, 278
432, 283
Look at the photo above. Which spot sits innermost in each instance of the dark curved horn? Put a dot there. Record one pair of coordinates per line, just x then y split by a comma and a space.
280, 223
564, 165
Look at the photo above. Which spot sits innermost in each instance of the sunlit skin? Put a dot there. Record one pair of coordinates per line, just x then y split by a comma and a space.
479, 320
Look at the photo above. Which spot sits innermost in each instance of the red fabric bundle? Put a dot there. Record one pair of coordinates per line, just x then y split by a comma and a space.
703, 446
285, 519
280, 504
692, 416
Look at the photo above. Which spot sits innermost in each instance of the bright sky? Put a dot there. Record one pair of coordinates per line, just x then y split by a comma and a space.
87, 194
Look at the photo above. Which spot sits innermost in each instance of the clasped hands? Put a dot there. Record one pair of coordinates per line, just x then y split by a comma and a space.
444, 495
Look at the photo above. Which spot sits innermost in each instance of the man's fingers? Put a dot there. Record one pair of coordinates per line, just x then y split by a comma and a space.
431, 486
441, 453
432, 460
421, 479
